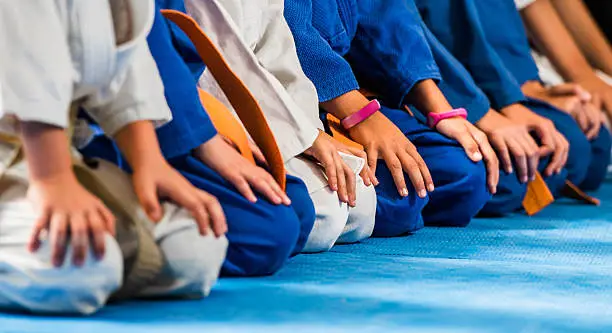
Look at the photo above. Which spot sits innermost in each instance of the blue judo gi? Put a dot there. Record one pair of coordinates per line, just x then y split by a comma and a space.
262, 236
343, 42
499, 60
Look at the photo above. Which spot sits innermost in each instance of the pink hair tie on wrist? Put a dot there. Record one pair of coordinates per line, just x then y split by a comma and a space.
361, 115
434, 118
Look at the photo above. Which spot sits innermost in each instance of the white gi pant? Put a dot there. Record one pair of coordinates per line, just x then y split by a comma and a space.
258, 45
28, 281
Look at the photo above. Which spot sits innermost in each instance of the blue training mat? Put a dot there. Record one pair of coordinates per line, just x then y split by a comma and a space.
550, 273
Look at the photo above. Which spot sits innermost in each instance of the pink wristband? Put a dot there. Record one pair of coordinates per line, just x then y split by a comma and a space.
434, 118
361, 115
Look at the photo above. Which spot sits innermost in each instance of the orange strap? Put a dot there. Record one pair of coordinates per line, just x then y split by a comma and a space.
240, 97
226, 124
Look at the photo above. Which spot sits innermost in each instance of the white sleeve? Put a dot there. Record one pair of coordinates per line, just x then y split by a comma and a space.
522, 4
294, 129
35, 65
135, 95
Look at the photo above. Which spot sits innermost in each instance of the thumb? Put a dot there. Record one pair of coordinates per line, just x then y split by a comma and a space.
147, 196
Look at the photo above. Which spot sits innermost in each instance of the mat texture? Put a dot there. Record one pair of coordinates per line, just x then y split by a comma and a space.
550, 273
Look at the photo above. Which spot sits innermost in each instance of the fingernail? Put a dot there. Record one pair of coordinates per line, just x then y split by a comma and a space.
404, 192
524, 179
422, 193
494, 190
533, 178
510, 170
477, 156
431, 187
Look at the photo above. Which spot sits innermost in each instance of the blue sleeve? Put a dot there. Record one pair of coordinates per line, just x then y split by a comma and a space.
457, 26
390, 53
327, 69
190, 126
457, 84
511, 42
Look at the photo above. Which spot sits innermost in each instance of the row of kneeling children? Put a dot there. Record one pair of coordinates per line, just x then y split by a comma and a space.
149, 147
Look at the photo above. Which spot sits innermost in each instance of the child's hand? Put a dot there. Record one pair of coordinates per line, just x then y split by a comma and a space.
511, 140
69, 211
225, 160
399, 153
158, 179
368, 176
475, 144
600, 91
340, 176
551, 141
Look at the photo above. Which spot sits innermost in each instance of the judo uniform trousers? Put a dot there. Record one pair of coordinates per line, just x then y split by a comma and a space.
339, 42
500, 62
261, 235
258, 45
55, 60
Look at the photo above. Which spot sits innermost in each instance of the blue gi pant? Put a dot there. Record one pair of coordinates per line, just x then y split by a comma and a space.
261, 235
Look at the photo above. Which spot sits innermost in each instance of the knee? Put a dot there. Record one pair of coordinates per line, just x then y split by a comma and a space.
396, 215
261, 242
331, 220
508, 199
361, 218
461, 192
66, 290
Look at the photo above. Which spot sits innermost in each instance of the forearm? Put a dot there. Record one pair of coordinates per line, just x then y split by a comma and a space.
138, 143
428, 98
47, 151
586, 33
346, 104
551, 36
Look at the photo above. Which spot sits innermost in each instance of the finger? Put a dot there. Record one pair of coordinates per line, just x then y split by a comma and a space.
397, 172
607, 102
41, 224
108, 219
520, 159
365, 173
329, 165
97, 231
501, 146
362, 154
594, 117
79, 236
257, 154
565, 145
545, 134
57, 238
411, 168
490, 158
242, 185
351, 185
470, 146
372, 159
215, 212
266, 188
556, 160
342, 185
531, 154
429, 183
147, 196
582, 120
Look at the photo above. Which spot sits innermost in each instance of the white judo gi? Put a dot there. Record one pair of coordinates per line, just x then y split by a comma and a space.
52, 54
258, 45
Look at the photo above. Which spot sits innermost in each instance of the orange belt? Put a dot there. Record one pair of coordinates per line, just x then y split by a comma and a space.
239, 96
